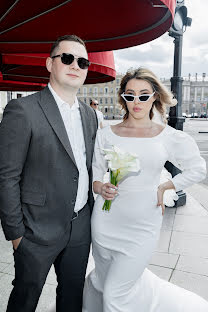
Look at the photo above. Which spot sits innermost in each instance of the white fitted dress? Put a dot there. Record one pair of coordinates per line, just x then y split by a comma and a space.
124, 239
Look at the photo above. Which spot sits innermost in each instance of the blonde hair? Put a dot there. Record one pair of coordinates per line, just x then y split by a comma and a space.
164, 97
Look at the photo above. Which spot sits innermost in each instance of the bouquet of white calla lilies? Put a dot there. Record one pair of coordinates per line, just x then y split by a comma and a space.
120, 163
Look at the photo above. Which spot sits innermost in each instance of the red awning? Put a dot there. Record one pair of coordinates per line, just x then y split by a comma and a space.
102, 67
31, 67
20, 86
31, 26
6, 85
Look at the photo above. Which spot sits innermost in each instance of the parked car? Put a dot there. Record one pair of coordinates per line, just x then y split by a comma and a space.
194, 115
204, 115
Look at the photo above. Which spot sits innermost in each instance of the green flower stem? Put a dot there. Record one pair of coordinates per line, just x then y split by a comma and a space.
113, 180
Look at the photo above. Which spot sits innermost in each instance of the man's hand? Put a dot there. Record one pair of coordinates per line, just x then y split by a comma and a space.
16, 242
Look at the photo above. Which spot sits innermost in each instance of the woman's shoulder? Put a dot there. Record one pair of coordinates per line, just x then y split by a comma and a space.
175, 133
174, 137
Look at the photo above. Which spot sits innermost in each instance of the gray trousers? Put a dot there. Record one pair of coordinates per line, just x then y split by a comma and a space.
69, 256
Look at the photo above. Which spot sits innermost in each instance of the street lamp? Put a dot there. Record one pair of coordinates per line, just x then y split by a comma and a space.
181, 21
175, 120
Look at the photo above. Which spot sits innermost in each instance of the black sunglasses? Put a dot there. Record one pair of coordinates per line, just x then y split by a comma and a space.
68, 59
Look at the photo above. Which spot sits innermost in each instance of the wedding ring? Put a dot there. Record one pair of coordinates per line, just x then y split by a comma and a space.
112, 189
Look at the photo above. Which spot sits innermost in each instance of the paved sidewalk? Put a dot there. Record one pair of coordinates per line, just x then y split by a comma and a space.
181, 256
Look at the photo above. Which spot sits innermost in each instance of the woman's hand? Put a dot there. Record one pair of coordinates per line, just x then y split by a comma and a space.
106, 190
160, 193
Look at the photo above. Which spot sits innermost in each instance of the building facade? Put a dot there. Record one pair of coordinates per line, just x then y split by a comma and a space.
194, 93
194, 96
107, 96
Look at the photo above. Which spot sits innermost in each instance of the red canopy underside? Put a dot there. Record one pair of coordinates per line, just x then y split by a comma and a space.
31, 26
19, 86
31, 67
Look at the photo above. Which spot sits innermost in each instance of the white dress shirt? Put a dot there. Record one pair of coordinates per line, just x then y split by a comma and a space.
73, 124
99, 117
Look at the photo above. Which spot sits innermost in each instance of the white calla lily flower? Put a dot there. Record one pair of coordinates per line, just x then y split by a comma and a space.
120, 164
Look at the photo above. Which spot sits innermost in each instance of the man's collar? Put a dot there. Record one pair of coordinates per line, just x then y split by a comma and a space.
60, 102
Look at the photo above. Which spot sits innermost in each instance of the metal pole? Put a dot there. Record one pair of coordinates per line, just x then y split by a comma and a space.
175, 115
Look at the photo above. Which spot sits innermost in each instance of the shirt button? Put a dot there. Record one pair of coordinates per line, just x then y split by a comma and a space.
73, 202
75, 179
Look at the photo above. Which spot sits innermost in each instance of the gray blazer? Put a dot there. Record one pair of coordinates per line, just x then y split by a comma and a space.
38, 172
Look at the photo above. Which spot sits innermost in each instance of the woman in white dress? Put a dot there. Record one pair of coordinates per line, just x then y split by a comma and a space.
124, 239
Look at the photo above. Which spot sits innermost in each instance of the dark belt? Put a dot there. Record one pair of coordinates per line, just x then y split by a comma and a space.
77, 213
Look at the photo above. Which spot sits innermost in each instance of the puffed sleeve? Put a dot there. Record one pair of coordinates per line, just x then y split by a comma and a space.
99, 164
185, 155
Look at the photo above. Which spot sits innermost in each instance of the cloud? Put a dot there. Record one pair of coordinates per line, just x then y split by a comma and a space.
156, 55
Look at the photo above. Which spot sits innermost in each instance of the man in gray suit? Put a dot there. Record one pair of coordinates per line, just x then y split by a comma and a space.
46, 148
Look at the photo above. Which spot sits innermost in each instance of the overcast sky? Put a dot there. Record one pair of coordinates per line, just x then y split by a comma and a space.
158, 54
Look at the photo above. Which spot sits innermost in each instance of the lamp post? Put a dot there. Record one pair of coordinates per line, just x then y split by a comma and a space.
181, 21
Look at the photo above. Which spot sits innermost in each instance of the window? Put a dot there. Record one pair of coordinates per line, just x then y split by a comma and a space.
101, 90
106, 100
85, 91
79, 91
85, 100
118, 111
19, 95
95, 90
106, 90
111, 100
90, 90
117, 81
101, 101
106, 109
112, 90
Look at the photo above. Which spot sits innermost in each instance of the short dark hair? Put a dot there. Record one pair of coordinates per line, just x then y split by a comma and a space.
66, 38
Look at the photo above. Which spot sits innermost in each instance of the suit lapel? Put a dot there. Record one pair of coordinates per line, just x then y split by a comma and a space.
85, 125
53, 116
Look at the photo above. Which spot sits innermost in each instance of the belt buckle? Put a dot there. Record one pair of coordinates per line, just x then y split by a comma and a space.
77, 213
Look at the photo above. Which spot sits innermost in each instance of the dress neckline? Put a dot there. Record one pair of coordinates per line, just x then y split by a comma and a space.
155, 136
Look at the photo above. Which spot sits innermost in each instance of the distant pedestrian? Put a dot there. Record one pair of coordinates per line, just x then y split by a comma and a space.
94, 104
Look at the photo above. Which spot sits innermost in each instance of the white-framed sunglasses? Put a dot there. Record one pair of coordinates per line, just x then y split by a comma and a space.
141, 98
